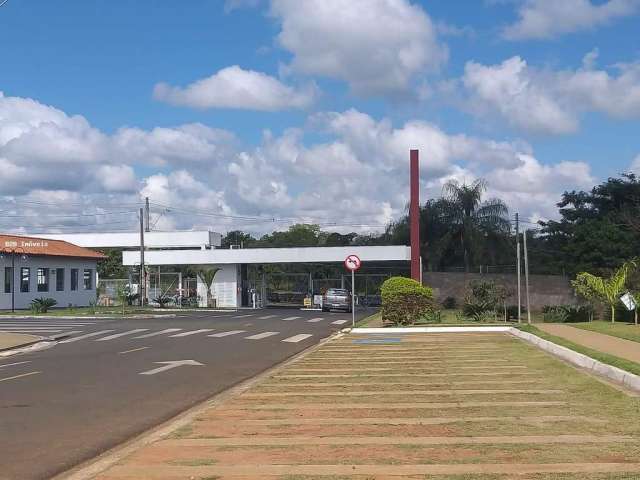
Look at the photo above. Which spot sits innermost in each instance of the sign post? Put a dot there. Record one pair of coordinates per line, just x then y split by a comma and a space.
353, 263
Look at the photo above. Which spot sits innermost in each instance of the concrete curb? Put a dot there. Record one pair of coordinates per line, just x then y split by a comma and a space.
580, 360
487, 329
22, 345
610, 372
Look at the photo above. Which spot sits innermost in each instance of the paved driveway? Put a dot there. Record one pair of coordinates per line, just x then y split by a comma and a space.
109, 380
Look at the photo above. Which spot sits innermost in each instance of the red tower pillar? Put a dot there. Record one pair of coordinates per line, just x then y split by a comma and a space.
414, 215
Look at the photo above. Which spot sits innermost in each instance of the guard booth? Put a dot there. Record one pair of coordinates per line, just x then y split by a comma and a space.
245, 272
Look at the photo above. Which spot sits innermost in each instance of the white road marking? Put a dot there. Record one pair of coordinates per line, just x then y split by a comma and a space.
193, 332
170, 365
19, 376
167, 330
226, 334
288, 319
315, 320
122, 334
297, 338
262, 335
88, 335
29, 330
339, 322
267, 317
66, 334
133, 350
15, 363
243, 316
44, 325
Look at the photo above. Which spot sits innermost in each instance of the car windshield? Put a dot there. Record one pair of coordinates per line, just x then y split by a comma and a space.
337, 291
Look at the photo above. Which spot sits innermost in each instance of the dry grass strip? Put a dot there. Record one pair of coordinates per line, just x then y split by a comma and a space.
400, 392
298, 369
396, 406
377, 384
423, 441
315, 471
411, 375
411, 421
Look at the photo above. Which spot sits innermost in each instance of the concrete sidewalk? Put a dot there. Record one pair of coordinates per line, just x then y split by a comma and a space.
10, 341
442, 406
618, 347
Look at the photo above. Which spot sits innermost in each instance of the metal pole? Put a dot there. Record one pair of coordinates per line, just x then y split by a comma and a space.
526, 276
142, 275
519, 268
13, 282
353, 298
147, 227
414, 213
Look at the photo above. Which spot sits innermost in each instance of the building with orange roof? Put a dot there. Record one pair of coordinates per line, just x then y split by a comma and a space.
33, 267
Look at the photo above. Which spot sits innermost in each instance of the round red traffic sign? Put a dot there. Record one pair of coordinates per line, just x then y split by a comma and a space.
352, 262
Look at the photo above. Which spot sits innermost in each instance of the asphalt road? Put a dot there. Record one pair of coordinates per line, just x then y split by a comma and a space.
64, 405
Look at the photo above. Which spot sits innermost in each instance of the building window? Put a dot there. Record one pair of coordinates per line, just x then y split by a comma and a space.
59, 279
8, 279
25, 276
74, 279
88, 279
43, 279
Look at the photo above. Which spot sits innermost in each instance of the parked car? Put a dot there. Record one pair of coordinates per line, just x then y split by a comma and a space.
336, 298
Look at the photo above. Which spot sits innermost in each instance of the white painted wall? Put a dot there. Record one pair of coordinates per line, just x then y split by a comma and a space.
267, 255
224, 289
81, 297
186, 239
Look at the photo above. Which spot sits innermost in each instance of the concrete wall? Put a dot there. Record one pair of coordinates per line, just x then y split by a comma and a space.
80, 297
224, 289
544, 289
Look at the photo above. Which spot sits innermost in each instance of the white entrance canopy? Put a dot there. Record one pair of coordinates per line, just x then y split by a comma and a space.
181, 239
268, 255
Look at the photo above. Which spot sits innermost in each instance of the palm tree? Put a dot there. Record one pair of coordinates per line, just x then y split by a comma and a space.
608, 290
471, 218
207, 275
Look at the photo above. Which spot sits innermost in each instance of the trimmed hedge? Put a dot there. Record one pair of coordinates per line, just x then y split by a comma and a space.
404, 301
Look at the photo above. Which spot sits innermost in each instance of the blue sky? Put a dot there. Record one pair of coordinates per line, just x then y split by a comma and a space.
535, 97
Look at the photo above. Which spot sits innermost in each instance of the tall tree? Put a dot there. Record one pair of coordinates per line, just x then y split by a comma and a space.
472, 219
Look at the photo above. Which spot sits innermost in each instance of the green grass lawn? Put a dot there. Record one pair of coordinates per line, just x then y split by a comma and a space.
628, 331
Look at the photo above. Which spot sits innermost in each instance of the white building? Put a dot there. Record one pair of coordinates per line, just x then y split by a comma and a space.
40, 268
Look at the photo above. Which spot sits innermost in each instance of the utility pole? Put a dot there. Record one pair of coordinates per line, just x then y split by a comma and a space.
142, 275
526, 277
147, 227
518, 267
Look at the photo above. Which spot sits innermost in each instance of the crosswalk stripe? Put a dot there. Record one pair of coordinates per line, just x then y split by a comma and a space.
153, 334
262, 335
35, 325
122, 334
29, 330
226, 334
339, 322
266, 317
297, 338
87, 335
243, 316
193, 332
14, 363
315, 320
288, 319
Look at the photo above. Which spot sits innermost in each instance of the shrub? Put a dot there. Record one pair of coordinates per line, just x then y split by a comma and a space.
484, 296
42, 305
449, 303
404, 301
567, 313
512, 311
163, 300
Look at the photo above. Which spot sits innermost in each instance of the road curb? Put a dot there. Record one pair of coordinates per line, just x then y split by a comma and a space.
22, 345
478, 329
97, 465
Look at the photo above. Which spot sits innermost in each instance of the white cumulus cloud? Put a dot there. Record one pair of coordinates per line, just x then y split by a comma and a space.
547, 101
234, 87
543, 19
376, 46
